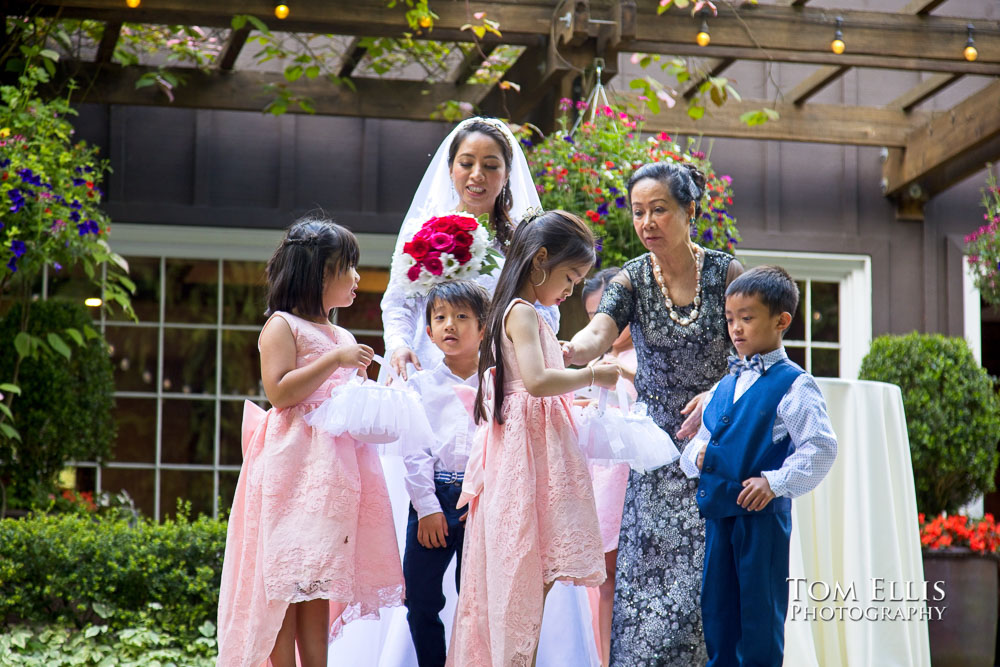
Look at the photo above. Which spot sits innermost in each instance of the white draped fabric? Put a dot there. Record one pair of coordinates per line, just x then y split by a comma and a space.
858, 530
567, 633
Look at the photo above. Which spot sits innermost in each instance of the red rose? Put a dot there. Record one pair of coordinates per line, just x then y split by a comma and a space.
466, 224
463, 240
461, 255
442, 242
414, 272
434, 265
417, 248
445, 226
423, 233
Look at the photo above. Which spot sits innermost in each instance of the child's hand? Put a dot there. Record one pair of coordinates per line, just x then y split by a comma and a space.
606, 375
756, 494
354, 356
402, 356
567, 351
432, 531
701, 457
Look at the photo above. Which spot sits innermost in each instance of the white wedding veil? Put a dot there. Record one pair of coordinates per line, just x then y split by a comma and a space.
435, 194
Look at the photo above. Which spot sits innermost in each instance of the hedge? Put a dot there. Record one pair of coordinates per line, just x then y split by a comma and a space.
76, 570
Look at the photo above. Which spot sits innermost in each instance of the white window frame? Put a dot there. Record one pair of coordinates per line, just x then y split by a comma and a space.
972, 326
853, 275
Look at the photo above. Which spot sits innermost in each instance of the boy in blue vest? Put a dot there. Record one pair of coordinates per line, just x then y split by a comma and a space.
765, 438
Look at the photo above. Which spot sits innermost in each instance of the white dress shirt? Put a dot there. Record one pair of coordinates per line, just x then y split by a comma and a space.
802, 415
453, 428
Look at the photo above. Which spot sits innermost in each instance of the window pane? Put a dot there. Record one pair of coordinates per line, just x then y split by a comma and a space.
240, 363
366, 311
194, 486
826, 363
136, 440
189, 360
231, 433
244, 293
227, 489
140, 484
797, 330
797, 354
188, 431
133, 356
825, 315
192, 290
377, 344
145, 273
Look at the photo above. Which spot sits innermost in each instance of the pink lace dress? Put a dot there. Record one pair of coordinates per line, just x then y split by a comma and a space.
531, 521
310, 519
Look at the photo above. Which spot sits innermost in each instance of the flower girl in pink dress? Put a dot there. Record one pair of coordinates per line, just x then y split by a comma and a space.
531, 519
311, 544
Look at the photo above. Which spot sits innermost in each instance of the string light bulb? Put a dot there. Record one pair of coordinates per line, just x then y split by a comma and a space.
703, 38
132, 3
970, 52
281, 11
837, 45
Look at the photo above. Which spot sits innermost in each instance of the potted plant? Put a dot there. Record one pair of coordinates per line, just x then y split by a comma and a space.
953, 421
586, 169
984, 245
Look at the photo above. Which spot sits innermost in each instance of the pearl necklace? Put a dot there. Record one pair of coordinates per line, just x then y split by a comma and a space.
699, 255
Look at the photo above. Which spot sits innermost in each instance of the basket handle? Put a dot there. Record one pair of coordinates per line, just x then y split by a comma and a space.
384, 369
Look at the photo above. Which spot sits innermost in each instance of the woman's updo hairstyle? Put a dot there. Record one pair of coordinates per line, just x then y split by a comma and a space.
505, 200
684, 181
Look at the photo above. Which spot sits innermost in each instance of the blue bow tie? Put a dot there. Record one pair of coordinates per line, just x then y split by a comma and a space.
754, 363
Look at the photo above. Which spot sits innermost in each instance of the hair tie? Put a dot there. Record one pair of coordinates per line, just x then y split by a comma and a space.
532, 213
308, 240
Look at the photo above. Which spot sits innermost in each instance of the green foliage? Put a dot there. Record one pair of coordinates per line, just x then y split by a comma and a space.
81, 570
64, 412
952, 415
984, 244
587, 171
137, 646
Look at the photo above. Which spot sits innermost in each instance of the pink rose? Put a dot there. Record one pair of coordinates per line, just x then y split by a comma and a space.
442, 242
413, 273
434, 265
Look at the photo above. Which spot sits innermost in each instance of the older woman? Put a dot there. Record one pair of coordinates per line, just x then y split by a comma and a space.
673, 300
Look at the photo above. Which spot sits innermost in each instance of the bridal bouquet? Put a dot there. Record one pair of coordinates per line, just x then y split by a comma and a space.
447, 247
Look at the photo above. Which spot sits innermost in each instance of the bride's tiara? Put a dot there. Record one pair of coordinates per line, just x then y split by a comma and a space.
492, 122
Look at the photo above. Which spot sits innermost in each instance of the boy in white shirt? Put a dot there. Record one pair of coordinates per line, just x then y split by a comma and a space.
456, 313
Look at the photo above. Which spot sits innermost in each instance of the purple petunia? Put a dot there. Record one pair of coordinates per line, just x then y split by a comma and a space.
602, 209
12, 265
17, 247
57, 266
527, 143
707, 235
4, 163
620, 202
74, 216
612, 189
16, 200
568, 139
88, 227
29, 177
79, 181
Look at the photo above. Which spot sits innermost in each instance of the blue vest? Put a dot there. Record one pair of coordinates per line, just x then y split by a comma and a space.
741, 445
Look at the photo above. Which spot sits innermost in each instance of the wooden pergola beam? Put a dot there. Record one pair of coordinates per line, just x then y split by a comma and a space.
922, 7
231, 51
243, 91
815, 123
947, 148
109, 38
815, 82
923, 90
353, 55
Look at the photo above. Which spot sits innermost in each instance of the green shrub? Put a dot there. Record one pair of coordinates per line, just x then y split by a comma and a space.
952, 415
64, 410
75, 569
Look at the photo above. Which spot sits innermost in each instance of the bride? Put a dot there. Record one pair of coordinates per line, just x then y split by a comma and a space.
478, 168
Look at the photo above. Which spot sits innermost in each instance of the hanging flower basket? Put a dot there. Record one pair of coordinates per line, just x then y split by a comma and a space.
984, 245
586, 171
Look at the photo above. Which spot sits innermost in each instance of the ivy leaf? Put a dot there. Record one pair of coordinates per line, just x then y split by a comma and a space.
59, 345
207, 629
293, 73
6, 411
102, 610
11, 388
313, 71
50, 54
695, 112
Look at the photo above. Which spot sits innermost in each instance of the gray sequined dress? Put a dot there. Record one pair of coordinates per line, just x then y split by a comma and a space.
657, 610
